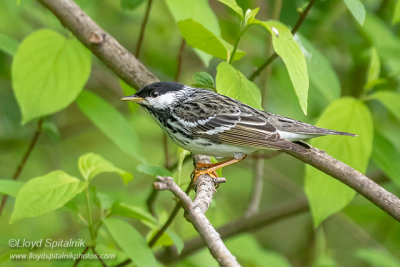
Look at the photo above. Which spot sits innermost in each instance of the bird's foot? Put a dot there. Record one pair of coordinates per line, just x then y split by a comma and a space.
204, 168
211, 168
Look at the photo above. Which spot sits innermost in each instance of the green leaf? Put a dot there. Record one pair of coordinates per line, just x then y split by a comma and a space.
111, 123
386, 43
396, 13
384, 155
197, 36
197, 10
234, 6
167, 239
357, 9
8, 44
390, 100
91, 164
129, 91
201, 12
322, 75
103, 200
182, 154
126, 210
325, 194
131, 242
290, 52
48, 73
250, 16
153, 170
10, 187
51, 130
233, 83
251, 253
374, 69
43, 194
131, 4
204, 80
377, 257
176, 240
164, 241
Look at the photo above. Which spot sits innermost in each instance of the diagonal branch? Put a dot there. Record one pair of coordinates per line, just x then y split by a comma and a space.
385, 200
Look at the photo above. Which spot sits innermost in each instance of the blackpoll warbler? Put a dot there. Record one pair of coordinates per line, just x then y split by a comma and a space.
208, 123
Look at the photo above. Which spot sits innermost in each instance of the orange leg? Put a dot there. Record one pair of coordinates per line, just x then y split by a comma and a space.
211, 169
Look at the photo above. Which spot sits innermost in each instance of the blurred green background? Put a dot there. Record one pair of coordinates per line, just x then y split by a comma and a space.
360, 235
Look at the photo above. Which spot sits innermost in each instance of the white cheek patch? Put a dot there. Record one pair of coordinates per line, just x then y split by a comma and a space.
162, 101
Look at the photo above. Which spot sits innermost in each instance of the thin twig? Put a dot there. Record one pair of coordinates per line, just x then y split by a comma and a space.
276, 14
154, 193
151, 200
271, 58
237, 227
171, 218
80, 258
303, 16
356, 231
99, 258
143, 28
180, 60
256, 192
235, 47
264, 65
167, 162
24, 159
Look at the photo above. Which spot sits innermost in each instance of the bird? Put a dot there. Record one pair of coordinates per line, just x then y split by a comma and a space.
208, 123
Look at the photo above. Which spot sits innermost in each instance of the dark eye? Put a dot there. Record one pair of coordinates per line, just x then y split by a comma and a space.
154, 94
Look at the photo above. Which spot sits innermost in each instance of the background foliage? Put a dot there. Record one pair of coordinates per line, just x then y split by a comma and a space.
340, 71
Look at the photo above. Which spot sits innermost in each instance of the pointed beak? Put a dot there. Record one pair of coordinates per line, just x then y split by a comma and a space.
132, 98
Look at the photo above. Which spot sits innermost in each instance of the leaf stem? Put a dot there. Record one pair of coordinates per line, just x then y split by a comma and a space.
90, 218
24, 159
143, 28
180, 59
235, 47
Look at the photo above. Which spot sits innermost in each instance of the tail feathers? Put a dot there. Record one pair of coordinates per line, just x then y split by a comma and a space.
332, 132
